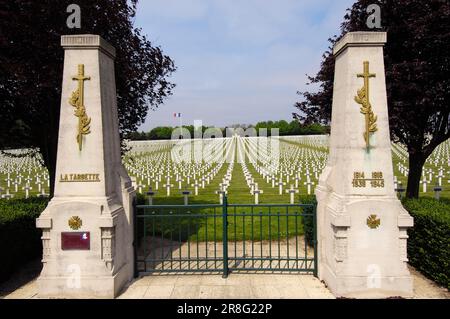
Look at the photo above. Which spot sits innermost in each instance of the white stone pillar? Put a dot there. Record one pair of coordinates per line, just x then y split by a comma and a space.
361, 223
92, 206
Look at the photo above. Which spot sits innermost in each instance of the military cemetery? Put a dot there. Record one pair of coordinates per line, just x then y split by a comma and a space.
353, 212
302, 159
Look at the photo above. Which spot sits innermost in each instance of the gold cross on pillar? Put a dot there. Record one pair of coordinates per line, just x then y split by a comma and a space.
362, 98
77, 101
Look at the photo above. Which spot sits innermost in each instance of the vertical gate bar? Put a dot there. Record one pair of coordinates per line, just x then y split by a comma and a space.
197, 231
171, 240
153, 242
215, 240
189, 240
243, 238
145, 244
261, 238
162, 240
253, 239
305, 217
315, 238
235, 239
279, 254
287, 235
270, 236
225, 236
206, 239
136, 237
179, 242
296, 237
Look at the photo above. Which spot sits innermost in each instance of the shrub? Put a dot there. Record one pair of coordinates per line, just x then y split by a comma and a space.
141, 199
20, 240
308, 221
429, 239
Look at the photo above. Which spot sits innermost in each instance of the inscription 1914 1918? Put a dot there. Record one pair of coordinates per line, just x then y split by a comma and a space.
359, 180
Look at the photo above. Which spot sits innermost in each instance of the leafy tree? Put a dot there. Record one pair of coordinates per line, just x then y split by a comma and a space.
316, 129
417, 63
160, 133
137, 136
31, 64
283, 126
292, 128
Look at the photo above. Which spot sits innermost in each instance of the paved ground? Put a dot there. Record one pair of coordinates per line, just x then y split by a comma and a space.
235, 286
23, 285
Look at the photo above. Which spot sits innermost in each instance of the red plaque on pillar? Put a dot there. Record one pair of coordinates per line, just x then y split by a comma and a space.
75, 241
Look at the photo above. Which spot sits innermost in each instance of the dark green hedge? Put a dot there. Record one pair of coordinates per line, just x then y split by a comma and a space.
429, 239
20, 241
308, 221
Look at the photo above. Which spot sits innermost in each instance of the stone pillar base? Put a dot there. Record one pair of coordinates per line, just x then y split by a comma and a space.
101, 287
359, 287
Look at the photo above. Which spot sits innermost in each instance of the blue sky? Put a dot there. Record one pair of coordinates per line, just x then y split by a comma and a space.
239, 61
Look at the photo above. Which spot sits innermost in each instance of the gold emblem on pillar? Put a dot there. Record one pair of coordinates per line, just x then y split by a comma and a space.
373, 222
362, 98
75, 222
77, 101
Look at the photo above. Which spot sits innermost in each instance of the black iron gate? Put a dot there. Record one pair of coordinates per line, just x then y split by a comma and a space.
225, 238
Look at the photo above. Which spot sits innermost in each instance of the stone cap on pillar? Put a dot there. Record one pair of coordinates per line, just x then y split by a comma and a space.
87, 41
360, 39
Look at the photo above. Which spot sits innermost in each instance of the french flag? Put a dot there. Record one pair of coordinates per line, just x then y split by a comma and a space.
176, 114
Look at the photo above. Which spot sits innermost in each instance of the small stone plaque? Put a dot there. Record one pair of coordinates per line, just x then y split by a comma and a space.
75, 241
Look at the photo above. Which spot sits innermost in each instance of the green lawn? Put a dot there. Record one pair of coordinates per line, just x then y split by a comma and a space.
245, 223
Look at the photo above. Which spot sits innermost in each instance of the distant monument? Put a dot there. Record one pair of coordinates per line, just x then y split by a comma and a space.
361, 223
88, 226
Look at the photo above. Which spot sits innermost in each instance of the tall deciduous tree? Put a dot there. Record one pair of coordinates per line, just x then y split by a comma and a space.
417, 63
31, 64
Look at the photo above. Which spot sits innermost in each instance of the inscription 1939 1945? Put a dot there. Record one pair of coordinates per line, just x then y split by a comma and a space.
359, 180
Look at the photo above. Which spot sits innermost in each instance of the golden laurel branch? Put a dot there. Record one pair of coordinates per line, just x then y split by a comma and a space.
362, 98
77, 101
366, 109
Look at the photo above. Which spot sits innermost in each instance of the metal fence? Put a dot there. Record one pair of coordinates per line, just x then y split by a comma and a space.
225, 238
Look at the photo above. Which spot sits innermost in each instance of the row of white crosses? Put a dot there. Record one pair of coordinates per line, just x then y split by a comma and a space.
439, 160
226, 180
434, 171
429, 173
299, 164
259, 152
147, 165
241, 155
163, 167
148, 147
300, 160
281, 174
22, 171
293, 162
436, 168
